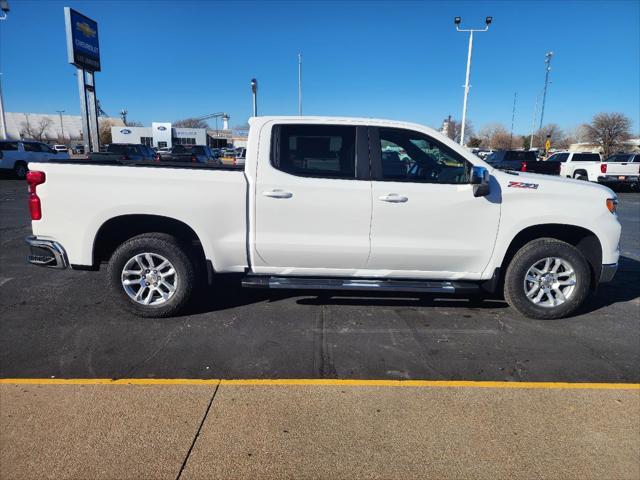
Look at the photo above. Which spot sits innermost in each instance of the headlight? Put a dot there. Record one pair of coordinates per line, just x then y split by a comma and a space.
612, 204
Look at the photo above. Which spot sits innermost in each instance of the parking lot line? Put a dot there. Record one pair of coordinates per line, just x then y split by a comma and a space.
321, 382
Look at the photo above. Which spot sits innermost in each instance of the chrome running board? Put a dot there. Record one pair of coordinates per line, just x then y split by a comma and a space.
383, 285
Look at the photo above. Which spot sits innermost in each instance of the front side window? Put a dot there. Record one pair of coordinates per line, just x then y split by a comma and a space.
31, 147
558, 157
327, 151
46, 148
409, 156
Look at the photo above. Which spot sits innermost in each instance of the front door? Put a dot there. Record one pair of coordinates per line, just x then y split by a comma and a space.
425, 220
312, 207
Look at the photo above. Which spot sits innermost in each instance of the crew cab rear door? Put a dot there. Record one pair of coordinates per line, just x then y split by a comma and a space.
425, 220
312, 198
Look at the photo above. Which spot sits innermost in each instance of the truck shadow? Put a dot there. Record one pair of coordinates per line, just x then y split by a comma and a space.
226, 293
624, 287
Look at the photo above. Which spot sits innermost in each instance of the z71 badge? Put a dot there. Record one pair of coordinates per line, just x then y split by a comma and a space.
523, 185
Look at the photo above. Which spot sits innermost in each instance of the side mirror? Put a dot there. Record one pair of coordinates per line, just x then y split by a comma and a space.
480, 181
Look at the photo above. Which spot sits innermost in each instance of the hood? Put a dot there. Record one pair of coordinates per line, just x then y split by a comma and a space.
553, 184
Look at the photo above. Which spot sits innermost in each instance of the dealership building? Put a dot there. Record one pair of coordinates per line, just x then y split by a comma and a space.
163, 134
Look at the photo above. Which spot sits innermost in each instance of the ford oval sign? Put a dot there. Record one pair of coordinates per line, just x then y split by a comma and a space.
126, 131
161, 128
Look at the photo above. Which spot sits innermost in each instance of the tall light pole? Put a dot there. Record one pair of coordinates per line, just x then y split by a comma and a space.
299, 84
4, 11
457, 21
547, 63
254, 92
60, 112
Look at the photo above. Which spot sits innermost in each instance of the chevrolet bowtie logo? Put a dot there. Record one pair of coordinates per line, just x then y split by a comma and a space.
86, 29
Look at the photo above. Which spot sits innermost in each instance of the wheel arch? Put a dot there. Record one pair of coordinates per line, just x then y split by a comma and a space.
117, 230
583, 239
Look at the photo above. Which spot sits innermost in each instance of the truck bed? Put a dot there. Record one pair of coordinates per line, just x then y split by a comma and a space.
78, 198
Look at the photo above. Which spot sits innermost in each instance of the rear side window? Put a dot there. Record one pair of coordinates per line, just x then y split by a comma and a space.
586, 157
8, 146
522, 156
327, 151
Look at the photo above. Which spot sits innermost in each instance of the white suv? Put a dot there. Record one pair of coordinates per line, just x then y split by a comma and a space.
16, 154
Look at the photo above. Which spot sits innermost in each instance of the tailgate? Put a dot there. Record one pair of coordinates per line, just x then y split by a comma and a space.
622, 169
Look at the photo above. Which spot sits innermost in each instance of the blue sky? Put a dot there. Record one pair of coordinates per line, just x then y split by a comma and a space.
166, 60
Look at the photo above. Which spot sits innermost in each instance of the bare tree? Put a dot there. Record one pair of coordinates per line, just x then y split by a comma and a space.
554, 133
134, 123
609, 131
104, 132
35, 131
190, 123
495, 135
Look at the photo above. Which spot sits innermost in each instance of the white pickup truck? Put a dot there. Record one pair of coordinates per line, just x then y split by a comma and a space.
323, 203
614, 171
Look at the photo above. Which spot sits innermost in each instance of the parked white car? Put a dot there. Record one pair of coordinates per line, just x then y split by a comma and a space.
16, 154
318, 206
60, 148
589, 166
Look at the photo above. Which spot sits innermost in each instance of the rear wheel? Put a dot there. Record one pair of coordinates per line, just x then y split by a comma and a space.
581, 175
20, 170
152, 275
547, 279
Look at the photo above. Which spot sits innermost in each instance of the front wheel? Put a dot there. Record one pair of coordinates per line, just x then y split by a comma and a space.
151, 275
547, 279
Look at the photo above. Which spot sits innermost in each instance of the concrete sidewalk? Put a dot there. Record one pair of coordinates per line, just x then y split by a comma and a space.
342, 430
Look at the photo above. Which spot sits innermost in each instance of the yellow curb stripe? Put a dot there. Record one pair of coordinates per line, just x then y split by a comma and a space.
321, 382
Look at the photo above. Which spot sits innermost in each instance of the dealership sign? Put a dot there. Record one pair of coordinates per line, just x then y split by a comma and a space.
83, 49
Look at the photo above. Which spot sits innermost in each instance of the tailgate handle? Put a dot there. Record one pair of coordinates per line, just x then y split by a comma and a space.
278, 194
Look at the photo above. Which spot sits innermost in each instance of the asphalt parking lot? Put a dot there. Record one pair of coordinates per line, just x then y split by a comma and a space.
61, 324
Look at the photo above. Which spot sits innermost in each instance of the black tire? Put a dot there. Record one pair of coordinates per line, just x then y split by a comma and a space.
581, 176
528, 255
20, 170
168, 247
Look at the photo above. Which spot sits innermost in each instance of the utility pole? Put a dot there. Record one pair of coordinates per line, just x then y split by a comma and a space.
513, 116
547, 62
533, 120
299, 84
123, 116
3, 122
60, 112
457, 21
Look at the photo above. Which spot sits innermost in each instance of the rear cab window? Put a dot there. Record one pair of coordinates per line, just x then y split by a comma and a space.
558, 157
8, 146
586, 157
521, 156
326, 151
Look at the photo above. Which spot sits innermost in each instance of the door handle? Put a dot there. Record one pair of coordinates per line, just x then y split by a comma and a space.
278, 194
393, 198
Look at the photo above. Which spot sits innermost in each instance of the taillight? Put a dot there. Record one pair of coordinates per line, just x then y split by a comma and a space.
157, 157
523, 168
124, 157
33, 180
194, 159
603, 167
